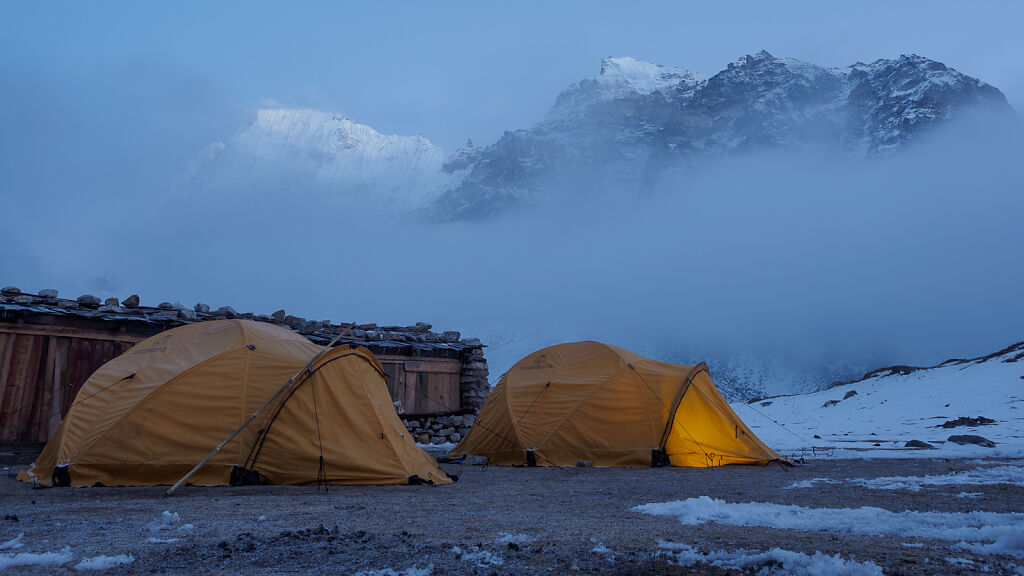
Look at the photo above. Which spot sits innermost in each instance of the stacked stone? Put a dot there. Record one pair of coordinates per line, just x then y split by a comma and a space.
473, 384
438, 430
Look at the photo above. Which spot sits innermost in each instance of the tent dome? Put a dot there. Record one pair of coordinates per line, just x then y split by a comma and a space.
148, 416
597, 402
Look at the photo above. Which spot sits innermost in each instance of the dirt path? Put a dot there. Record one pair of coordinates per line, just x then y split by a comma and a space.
503, 520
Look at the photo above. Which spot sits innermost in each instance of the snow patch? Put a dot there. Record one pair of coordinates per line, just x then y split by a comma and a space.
164, 521
13, 543
981, 476
32, 559
981, 532
773, 562
482, 558
412, 571
509, 538
152, 540
104, 562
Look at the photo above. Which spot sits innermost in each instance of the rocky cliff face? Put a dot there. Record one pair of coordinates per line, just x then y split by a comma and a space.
636, 125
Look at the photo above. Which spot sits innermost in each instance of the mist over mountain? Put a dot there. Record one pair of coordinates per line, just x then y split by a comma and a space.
788, 224
634, 128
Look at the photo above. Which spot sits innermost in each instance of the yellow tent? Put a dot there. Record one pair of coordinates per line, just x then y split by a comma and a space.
150, 415
592, 401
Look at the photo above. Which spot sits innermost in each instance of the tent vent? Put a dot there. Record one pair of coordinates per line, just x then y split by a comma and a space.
61, 476
531, 458
251, 347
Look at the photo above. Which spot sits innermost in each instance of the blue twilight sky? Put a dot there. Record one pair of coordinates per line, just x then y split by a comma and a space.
173, 76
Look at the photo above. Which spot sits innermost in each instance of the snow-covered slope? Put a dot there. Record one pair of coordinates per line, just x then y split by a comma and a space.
876, 416
292, 153
635, 127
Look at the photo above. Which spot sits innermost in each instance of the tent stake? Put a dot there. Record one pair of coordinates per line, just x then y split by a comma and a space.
249, 420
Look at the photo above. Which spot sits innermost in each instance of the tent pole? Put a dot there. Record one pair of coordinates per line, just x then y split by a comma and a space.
249, 420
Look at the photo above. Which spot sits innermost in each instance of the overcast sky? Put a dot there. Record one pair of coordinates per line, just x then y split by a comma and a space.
175, 76
103, 104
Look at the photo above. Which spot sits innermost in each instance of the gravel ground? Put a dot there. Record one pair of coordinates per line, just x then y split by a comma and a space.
556, 518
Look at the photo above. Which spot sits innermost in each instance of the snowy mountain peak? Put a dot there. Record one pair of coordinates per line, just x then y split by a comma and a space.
643, 77
340, 158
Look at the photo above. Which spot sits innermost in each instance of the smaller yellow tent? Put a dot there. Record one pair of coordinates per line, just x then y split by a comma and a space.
592, 401
148, 416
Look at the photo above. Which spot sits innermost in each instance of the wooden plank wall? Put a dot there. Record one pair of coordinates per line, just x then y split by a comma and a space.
41, 372
423, 386
39, 377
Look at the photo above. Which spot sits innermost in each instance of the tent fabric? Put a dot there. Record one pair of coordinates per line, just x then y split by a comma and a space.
596, 402
150, 415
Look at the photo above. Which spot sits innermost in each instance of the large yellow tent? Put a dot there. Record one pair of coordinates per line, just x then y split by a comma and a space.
150, 415
591, 401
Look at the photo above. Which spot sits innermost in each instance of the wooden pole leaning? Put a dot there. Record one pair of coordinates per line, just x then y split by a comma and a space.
309, 366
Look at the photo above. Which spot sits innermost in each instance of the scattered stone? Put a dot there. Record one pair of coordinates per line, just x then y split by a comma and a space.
966, 421
963, 439
766, 404
226, 311
111, 302
817, 437
165, 306
10, 290
422, 327
584, 463
88, 300
48, 293
310, 326
850, 394
186, 314
131, 301
201, 308
830, 403
919, 444
278, 316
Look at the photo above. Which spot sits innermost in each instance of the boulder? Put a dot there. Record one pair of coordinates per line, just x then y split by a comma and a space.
278, 316
111, 302
966, 421
48, 293
10, 290
919, 444
165, 306
131, 301
201, 308
186, 314
830, 403
226, 311
88, 300
963, 439
421, 327
850, 394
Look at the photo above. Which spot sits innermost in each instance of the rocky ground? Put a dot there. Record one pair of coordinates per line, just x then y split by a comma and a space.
494, 520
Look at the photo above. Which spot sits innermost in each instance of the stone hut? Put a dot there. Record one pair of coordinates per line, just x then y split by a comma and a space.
49, 346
